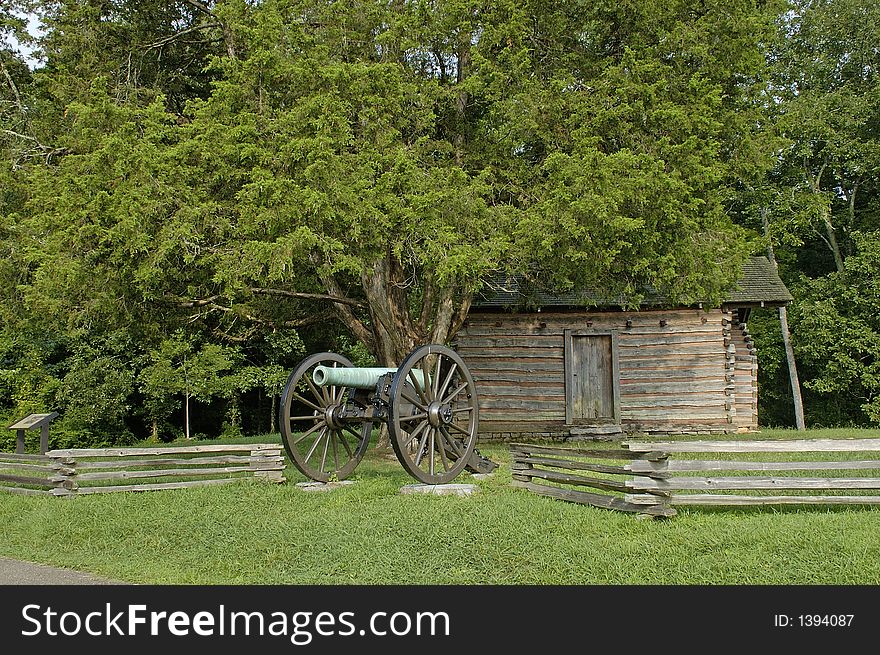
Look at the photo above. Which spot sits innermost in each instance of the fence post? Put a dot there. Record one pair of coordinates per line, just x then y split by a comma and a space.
267, 465
64, 479
520, 469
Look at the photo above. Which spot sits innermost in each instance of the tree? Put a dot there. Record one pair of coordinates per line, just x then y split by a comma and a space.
820, 200
839, 335
387, 158
827, 79
178, 367
367, 166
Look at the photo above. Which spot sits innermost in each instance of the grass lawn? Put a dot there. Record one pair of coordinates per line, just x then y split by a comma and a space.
367, 533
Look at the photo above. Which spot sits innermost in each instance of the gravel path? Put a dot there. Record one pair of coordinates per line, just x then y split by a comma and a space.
17, 572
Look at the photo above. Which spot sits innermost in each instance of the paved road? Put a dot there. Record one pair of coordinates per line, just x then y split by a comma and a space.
16, 572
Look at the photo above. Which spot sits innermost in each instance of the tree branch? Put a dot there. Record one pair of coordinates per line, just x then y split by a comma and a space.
201, 6
173, 37
48, 151
301, 322
186, 304
338, 299
461, 315
14, 88
344, 312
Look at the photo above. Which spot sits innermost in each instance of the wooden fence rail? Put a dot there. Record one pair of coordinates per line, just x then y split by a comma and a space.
78, 471
532, 462
651, 485
785, 483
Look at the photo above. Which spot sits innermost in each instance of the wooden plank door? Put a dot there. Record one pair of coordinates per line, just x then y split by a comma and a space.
592, 392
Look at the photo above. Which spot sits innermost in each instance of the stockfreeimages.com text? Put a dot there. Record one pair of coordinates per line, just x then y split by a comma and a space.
300, 627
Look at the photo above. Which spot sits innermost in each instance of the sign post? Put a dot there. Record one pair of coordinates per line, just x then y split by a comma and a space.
33, 422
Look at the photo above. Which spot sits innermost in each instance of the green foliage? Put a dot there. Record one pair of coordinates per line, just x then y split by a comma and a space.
95, 393
821, 206
837, 320
180, 367
826, 75
184, 186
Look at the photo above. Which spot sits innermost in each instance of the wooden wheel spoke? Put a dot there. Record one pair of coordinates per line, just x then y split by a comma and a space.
319, 396
415, 433
451, 441
311, 417
458, 429
445, 385
431, 453
411, 376
421, 450
462, 409
420, 453
442, 449
333, 437
309, 431
429, 386
344, 442
435, 386
414, 417
326, 446
408, 397
315, 445
308, 402
457, 391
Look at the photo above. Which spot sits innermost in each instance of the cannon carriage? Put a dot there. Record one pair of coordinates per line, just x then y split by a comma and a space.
329, 409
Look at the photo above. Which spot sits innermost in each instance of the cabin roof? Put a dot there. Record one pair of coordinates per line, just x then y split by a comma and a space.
759, 285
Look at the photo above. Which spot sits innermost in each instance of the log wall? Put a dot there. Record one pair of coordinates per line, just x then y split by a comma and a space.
676, 370
745, 379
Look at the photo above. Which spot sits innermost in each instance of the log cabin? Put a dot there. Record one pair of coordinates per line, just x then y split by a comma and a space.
573, 367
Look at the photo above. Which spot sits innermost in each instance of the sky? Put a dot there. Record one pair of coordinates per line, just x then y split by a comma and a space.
33, 27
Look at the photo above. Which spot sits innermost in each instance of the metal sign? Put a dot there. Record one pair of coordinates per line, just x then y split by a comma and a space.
29, 423
33, 421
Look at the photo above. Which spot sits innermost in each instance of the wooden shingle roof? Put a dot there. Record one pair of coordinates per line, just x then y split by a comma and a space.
759, 285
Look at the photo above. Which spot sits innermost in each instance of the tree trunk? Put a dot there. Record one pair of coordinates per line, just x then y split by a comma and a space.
393, 332
786, 338
273, 415
154, 434
792, 371
186, 416
832, 240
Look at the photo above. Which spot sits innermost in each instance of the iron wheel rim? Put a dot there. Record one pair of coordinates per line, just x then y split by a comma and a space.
318, 451
434, 430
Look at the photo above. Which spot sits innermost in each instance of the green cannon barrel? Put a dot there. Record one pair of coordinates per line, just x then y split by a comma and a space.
358, 378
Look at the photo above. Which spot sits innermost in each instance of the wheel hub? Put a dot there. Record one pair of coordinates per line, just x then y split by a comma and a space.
439, 414
331, 416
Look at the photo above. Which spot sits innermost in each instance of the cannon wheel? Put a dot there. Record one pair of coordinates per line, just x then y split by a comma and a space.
433, 430
321, 447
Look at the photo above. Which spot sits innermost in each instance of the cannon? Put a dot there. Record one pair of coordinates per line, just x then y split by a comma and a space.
329, 409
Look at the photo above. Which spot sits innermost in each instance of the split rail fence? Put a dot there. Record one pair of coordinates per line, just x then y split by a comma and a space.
80, 471
653, 479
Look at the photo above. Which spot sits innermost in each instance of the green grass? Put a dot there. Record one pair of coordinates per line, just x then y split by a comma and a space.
257, 533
